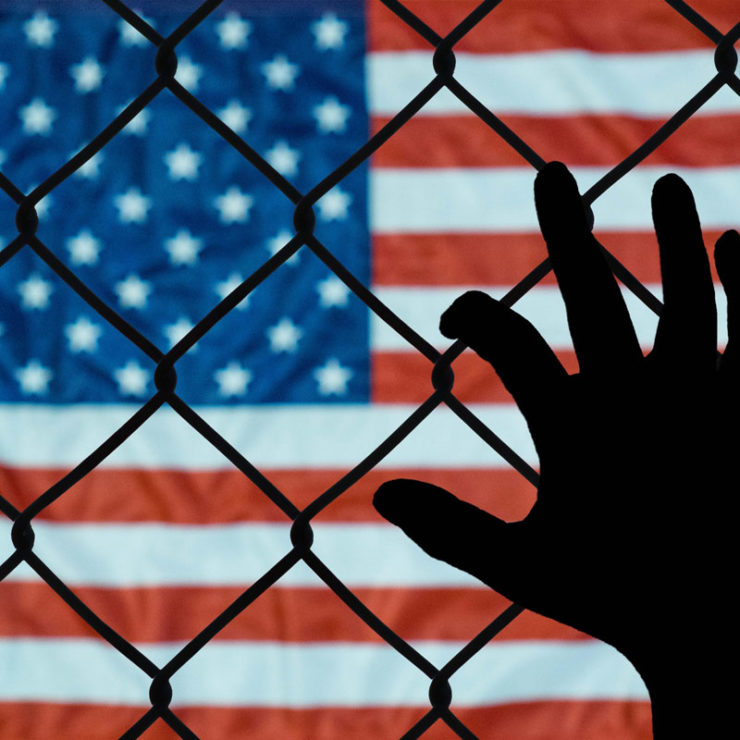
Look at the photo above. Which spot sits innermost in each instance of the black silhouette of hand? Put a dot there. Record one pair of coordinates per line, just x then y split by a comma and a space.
632, 536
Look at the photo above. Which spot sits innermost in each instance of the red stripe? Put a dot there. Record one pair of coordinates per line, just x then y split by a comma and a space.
578, 140
280, 614
498, 259
551, 720
455, 259
227, 496
630, 25
405, 377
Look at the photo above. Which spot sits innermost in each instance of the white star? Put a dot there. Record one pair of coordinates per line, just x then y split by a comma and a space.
332, 292
277, 242
183, 163
91, 169
284, 336
83, 248
233, 206
235, 116
283, 158
132, 206
88, 75
233, 31
138, 124
83, 335
37, 117
329, 32
183, 248
132, 379
332, 378
133, 292
331, 116
231, 284
175, 332
40, 29
188, 74
130, 36
280, 73
4, 72
333, 206
34, 378
35, 292
232, 380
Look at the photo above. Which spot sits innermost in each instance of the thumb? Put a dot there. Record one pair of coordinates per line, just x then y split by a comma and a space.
451, 530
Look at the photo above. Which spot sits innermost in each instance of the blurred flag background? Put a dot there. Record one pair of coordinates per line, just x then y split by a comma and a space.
301, 378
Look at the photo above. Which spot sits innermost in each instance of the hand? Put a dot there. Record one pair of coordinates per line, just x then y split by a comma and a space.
632, 536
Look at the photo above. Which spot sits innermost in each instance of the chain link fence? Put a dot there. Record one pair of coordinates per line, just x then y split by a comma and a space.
441, 76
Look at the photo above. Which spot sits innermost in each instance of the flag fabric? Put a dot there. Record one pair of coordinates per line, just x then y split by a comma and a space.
300, 377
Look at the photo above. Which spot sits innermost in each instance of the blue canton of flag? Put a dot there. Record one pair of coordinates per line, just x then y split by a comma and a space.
168, 219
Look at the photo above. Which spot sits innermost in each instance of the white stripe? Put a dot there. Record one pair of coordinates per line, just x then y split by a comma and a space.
543, 306
271, 437
121, 555
443, 200
314, 675
569, 82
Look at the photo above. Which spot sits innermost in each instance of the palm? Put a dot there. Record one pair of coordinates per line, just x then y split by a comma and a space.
634, 451
610, 544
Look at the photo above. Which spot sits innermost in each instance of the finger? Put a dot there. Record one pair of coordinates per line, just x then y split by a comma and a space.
600, 325
451, 530
727, 260
523, 360
687, 330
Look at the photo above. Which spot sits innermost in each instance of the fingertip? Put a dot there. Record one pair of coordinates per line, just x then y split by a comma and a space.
728, 242
553, 169
551, 180
669, 187
384, 500
678, 229
670, 180
396, 499
464, 312
675, 215
727, 258
558, 203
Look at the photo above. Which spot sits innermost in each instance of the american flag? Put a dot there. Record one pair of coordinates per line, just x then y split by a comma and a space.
301, 378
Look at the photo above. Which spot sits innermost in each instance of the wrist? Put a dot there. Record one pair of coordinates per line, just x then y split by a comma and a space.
690, 695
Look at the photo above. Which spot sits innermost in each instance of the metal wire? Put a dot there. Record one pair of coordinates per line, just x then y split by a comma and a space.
441, 76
